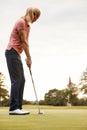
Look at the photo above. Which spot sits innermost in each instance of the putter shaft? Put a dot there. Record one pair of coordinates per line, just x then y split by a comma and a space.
35, 91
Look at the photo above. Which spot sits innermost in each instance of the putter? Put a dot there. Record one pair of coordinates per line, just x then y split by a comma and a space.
39, 112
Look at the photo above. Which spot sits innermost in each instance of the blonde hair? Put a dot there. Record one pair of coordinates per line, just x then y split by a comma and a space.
36, 12
33, 12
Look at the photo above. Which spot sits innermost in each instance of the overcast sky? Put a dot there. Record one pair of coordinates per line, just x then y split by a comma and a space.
58, 42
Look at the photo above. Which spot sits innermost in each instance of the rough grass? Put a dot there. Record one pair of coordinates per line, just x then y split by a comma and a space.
54, 118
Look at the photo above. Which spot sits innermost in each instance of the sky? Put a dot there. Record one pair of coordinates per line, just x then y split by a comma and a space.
58, 43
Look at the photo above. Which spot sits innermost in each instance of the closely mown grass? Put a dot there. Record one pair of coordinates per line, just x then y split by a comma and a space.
54, 118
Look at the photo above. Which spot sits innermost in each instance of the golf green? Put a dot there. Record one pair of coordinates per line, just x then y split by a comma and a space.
54, 118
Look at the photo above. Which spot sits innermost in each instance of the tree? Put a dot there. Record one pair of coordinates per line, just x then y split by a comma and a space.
83, 82
55, 97
3, 91
71, 92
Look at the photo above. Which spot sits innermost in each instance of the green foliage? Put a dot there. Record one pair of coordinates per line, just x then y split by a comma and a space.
26, 102
55, 97
83, 82
42, 102
4, 96
5, 103
63, 97
71, 93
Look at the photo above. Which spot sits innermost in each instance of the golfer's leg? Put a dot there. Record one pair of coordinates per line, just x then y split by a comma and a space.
21, 86
13, 64
16, 82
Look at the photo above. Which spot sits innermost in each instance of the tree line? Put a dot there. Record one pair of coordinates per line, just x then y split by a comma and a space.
68, 96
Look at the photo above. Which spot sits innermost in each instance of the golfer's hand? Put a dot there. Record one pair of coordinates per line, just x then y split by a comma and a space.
28, 62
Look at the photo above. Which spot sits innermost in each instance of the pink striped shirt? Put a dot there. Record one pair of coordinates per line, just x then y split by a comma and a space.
15, 41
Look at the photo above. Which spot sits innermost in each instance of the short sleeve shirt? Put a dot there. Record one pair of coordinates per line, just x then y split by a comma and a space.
15, 41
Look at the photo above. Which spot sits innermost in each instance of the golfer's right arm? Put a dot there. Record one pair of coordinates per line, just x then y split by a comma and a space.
22, 34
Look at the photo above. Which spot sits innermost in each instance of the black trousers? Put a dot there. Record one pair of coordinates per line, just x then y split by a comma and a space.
17, 78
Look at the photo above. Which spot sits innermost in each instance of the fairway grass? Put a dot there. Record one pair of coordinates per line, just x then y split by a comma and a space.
54, 118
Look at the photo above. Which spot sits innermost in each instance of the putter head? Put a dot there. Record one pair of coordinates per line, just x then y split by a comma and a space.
40, 113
